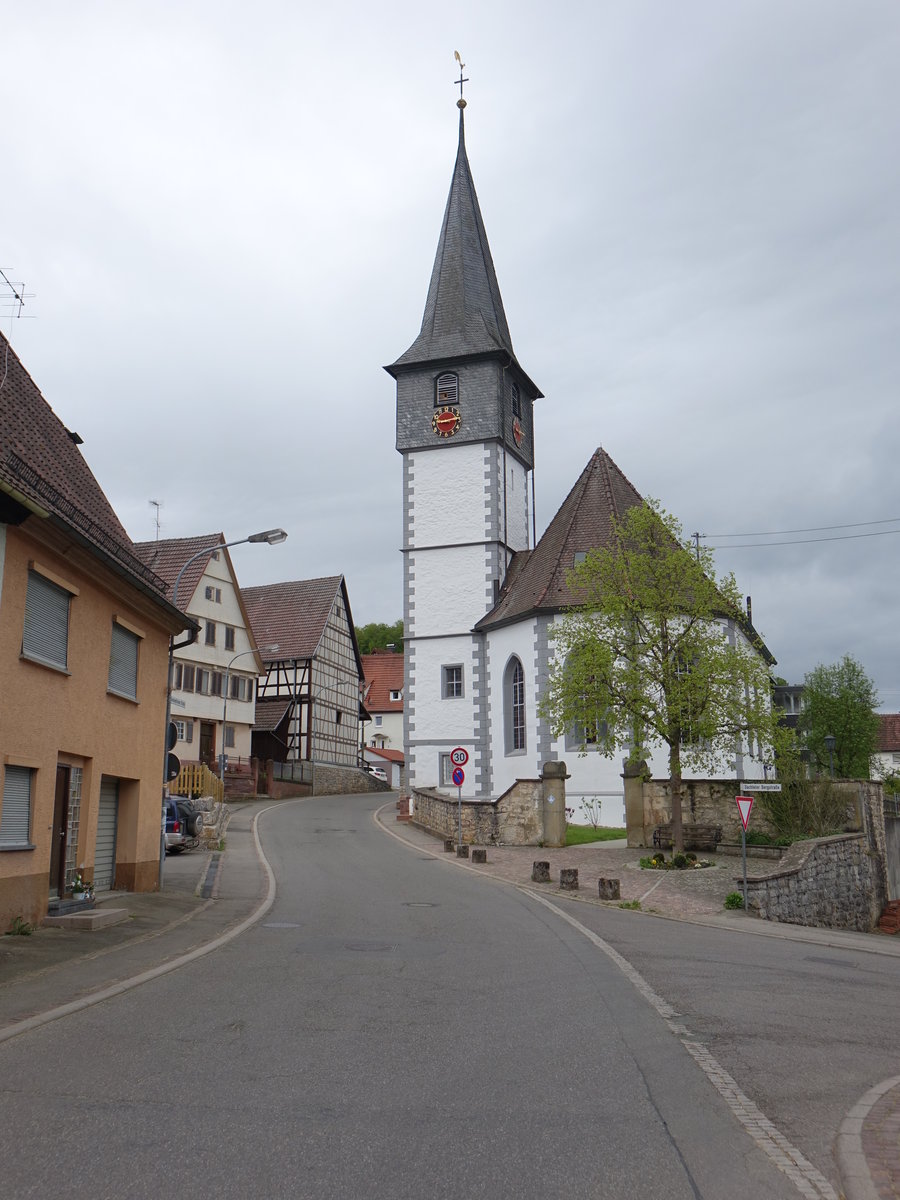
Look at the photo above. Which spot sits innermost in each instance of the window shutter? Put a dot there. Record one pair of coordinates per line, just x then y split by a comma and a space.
15, 815
46, 633
123, 662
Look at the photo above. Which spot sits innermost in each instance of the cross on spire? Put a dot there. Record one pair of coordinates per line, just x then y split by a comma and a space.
462, 79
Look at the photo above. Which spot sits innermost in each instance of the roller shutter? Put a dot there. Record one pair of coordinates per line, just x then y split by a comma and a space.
107, 821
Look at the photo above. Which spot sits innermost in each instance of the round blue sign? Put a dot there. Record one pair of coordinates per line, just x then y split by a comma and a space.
459, 776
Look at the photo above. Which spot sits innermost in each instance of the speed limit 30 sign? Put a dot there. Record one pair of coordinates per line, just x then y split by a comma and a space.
459, 757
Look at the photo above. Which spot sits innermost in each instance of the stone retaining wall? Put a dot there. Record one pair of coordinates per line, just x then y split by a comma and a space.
515, 819
836, 882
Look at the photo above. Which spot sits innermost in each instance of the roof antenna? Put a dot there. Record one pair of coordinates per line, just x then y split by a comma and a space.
157, 504
13, 305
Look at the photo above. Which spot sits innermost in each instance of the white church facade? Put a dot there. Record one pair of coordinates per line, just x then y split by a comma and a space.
480, 597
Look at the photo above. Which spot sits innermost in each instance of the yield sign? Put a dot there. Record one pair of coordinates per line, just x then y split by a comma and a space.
744, 803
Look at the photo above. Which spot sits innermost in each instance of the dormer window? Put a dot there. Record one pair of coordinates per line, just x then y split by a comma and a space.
516, 399
446, 391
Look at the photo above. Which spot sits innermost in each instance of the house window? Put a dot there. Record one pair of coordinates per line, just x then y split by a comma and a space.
210, 633
229, 737
215, 683
123, 662
379, 719
229, 638
214, 594
185, 731
46, 632
514, 707
516, 399
446, 390
201, 684
451, 682
445, 770
395, 695
337, 716
15, 813
187, 683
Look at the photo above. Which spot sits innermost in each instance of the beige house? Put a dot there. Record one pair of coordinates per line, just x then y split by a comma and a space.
214, 678
84, 632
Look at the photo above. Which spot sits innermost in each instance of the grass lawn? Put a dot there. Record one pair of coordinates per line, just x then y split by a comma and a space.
580, 835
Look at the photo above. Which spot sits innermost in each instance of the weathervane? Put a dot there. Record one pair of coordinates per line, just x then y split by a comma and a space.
459, 82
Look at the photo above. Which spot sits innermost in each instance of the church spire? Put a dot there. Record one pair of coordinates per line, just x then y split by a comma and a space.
464, 310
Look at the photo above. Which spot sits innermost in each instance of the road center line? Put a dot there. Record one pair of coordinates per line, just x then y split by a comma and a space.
787, 1158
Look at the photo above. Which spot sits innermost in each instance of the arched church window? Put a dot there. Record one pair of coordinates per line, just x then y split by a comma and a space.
514, 707
446, 390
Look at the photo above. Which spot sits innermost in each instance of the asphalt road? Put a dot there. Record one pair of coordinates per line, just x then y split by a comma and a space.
394, 1027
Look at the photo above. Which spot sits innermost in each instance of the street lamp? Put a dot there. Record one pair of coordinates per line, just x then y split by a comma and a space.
272, 537
240, 654
829, 741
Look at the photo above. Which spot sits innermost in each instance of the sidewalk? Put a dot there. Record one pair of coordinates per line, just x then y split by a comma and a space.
867, 1148
205, 894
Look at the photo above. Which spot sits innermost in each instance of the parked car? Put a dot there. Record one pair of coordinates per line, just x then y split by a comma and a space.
183, 822
379, 773
176, 838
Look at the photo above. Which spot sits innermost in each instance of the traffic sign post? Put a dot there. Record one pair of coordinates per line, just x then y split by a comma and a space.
744, 803
459, 778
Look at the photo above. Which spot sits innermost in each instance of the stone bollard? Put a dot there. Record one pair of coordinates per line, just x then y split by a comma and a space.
540, 872
568, 879
462, 851
449, 845
609, 889
479, 855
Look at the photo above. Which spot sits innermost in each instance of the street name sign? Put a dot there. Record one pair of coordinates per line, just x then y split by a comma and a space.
749, 786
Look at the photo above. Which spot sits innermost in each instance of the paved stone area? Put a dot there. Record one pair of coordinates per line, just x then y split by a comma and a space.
881, 1145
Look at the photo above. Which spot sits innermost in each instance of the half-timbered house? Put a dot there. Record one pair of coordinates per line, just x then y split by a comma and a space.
308, 698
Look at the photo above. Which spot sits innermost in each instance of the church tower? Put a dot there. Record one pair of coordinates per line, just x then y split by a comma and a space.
466, 433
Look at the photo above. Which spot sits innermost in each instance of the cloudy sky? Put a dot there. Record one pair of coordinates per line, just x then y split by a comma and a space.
227, 214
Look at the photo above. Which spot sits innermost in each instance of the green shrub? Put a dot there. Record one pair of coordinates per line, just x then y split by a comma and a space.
20, 928
680, 861
734, 900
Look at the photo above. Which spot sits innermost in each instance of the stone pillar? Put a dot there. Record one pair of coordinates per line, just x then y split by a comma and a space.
270, 777
633, 778
553, 790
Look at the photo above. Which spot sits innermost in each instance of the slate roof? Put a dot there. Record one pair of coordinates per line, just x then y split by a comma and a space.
384, 674
167, 556
889, 732
42, 468
464, 312
293, 615
537, 579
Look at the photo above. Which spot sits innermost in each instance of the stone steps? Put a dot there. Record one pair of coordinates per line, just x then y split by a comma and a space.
93, 918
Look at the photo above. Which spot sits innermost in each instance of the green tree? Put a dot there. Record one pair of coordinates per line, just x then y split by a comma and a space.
378, 636
840, 701
650, 658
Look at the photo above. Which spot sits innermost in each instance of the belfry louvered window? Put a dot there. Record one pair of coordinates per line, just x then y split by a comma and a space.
446, 390
46, 633
516, 400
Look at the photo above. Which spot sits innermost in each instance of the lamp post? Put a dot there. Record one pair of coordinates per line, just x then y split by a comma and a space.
240, 654
271, 537
829, 741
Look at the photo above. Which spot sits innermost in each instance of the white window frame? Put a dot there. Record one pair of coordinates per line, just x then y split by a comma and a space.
514, 712
445, 770
452, 687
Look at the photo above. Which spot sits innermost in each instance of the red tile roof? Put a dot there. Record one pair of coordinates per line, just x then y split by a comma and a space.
269, 714
384, 674
383, 752
41, 463
889, 732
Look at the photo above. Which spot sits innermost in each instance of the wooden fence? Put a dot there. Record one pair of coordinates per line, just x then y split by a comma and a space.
197, 779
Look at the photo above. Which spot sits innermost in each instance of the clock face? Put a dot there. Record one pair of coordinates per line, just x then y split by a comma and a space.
445, 421
517, 431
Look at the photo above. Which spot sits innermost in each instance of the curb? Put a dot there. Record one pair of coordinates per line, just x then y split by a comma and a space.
848, 1147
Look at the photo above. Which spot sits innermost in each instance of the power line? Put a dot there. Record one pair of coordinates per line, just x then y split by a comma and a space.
846, 537
812, 529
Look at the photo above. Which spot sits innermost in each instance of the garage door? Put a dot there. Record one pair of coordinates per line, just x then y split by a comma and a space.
107, 819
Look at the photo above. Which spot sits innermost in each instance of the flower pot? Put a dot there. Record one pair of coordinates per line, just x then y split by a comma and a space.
78, 895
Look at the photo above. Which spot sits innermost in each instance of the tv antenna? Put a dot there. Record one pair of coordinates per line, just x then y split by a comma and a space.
13, 302
157, 504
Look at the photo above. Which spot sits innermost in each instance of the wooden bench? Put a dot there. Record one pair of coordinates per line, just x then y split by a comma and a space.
695, 837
